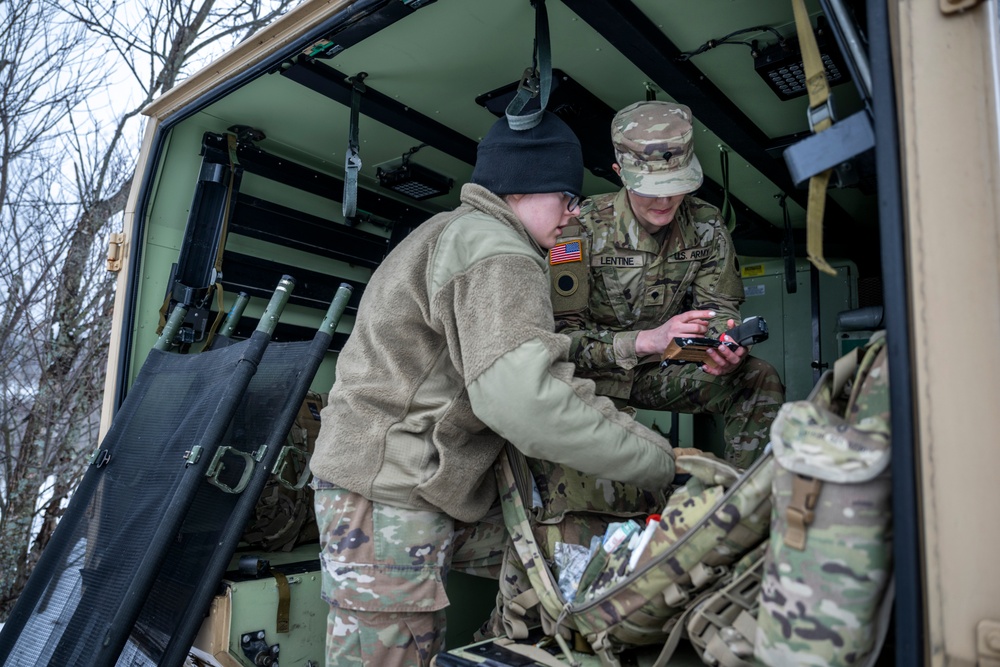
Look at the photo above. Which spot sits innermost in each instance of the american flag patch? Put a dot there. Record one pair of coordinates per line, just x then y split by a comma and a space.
565, 252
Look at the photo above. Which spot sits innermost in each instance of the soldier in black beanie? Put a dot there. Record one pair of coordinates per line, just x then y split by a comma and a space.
453, 354
546, 158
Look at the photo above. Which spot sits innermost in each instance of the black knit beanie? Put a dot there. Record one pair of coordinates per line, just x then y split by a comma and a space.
546, 158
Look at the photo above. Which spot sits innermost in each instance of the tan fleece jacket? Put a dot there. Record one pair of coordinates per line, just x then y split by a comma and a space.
452, 353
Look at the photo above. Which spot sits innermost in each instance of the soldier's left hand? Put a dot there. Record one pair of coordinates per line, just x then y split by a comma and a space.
723, 360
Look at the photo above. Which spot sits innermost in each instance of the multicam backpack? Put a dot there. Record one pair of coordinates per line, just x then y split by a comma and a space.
284, 515
822, 591
707, 525
826, 587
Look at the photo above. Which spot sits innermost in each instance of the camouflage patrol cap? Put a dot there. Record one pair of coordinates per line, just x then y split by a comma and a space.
654, 148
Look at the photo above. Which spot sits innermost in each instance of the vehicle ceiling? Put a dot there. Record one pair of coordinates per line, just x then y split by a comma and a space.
427, 67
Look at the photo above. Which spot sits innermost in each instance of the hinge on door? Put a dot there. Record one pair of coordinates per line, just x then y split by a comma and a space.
954, 6
988, 644
116, 243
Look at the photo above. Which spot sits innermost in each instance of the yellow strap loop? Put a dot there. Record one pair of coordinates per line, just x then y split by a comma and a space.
819, 96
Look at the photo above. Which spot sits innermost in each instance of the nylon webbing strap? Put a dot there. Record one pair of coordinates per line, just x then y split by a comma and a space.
844, 369
820, 118
352, 159
536, 80
284, 602
728, 212
788, 247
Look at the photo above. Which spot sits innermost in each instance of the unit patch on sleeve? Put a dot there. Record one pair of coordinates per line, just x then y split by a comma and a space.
568, 251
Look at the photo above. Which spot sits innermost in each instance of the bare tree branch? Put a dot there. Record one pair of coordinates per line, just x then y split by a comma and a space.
66, 166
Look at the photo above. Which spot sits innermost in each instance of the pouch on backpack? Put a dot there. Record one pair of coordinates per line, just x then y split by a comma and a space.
828, 568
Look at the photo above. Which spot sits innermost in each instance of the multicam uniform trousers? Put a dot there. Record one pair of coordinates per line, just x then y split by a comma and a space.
748, 399
384, 575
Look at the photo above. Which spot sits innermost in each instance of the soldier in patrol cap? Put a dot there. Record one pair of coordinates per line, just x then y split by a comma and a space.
656, 263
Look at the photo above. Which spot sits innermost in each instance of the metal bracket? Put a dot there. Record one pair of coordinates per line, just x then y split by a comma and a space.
289, 452
99, 458
821, 113
529, 81
838, 144
256, 649
115, 246
216, 467
192, 455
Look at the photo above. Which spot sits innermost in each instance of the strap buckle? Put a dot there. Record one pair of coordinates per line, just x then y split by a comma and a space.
529, 81
801, 510
824, 112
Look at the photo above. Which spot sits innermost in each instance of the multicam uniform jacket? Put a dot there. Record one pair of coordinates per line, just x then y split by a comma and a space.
639, 283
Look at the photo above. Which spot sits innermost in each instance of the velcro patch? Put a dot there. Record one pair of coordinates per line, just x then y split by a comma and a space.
690, 255
568, 251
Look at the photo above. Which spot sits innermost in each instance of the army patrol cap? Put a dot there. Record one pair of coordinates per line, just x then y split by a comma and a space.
654, 148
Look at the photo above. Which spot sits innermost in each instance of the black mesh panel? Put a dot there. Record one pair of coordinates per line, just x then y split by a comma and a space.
257, 422
116, 529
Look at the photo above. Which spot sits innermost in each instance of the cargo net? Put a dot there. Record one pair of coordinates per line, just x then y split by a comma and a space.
131, 515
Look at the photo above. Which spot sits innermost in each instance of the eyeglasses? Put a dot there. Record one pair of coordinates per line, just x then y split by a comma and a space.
574, 200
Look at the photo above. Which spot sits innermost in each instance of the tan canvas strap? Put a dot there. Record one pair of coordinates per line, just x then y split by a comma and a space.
514, 612
723, 653
801, 510
872, 351
844, 369
746, 625
677, 631
604, 650
740, 634
702, 575
675, 596
820, 118
519, 526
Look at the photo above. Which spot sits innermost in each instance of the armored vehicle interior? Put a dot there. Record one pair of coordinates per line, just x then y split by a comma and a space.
255, 149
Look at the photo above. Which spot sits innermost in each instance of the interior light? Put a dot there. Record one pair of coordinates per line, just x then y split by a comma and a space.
413, 180
780, 65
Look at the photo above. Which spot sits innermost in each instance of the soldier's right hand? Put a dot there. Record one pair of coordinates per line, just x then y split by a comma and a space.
687, 324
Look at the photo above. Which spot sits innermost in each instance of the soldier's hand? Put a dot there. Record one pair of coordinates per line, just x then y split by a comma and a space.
723, 360
690, 323
689, 451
